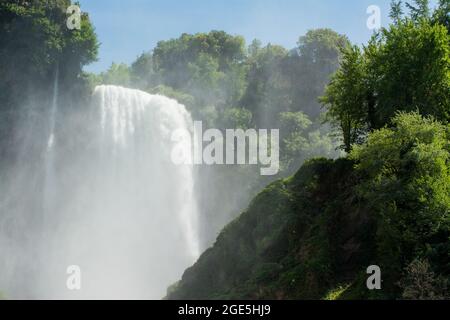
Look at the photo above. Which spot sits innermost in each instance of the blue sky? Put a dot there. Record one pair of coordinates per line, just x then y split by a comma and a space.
126, 28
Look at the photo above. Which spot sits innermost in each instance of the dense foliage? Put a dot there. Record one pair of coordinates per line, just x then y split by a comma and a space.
404, 67
312, 236
217, 77
228, 85
36, 46
407, 184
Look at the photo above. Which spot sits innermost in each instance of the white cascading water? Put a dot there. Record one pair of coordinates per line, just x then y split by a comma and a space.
127, 217
49, 183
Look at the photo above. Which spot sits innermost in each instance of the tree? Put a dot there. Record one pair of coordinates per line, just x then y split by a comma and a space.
143, 73
267, 88
309, 69
413, 70
322, 47
238, 118
406, 182
34, 43
294, 137
442, 14
34, 39
117, 74
254, 47
206, 80
345, 97
396, 10
290, 81
420, 9
302, 139
405, 67
203, 63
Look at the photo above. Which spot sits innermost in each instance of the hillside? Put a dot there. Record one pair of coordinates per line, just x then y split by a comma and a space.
298, 239
314, 235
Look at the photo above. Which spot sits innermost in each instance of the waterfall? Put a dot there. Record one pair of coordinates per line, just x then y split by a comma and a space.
135, 227
120, 209
49, 187
53, 112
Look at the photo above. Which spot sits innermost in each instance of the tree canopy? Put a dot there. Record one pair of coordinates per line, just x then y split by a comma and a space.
405, 67
35, 45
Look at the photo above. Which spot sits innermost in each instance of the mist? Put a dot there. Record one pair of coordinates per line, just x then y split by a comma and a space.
118, 209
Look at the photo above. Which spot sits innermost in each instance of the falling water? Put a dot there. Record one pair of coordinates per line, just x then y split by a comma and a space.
49, 183
120, 210
53, 112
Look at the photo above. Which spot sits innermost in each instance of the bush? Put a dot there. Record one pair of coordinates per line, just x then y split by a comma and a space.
407, 184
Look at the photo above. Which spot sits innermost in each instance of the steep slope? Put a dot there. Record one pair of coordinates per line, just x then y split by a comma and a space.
299, 239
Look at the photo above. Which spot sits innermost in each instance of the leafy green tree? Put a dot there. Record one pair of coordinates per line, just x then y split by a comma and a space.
34, 39
294, 121
205, 80
322, 47
345, 97
254, 47
182, 97
442, 14
238, 118
143, 74
420, 9
407, 183
413, 70
405, 67
267, 90
207, 66
117, 74
316, 58
219, 73
396, 12
301, 139
294, 136
34, 43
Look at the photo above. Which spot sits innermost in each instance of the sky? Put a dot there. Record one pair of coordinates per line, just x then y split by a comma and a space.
127, 28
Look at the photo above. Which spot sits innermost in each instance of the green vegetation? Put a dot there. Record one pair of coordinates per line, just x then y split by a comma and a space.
313, 233
286, 245
227, 85
405, 67
387, 203
303, 237
34, 43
